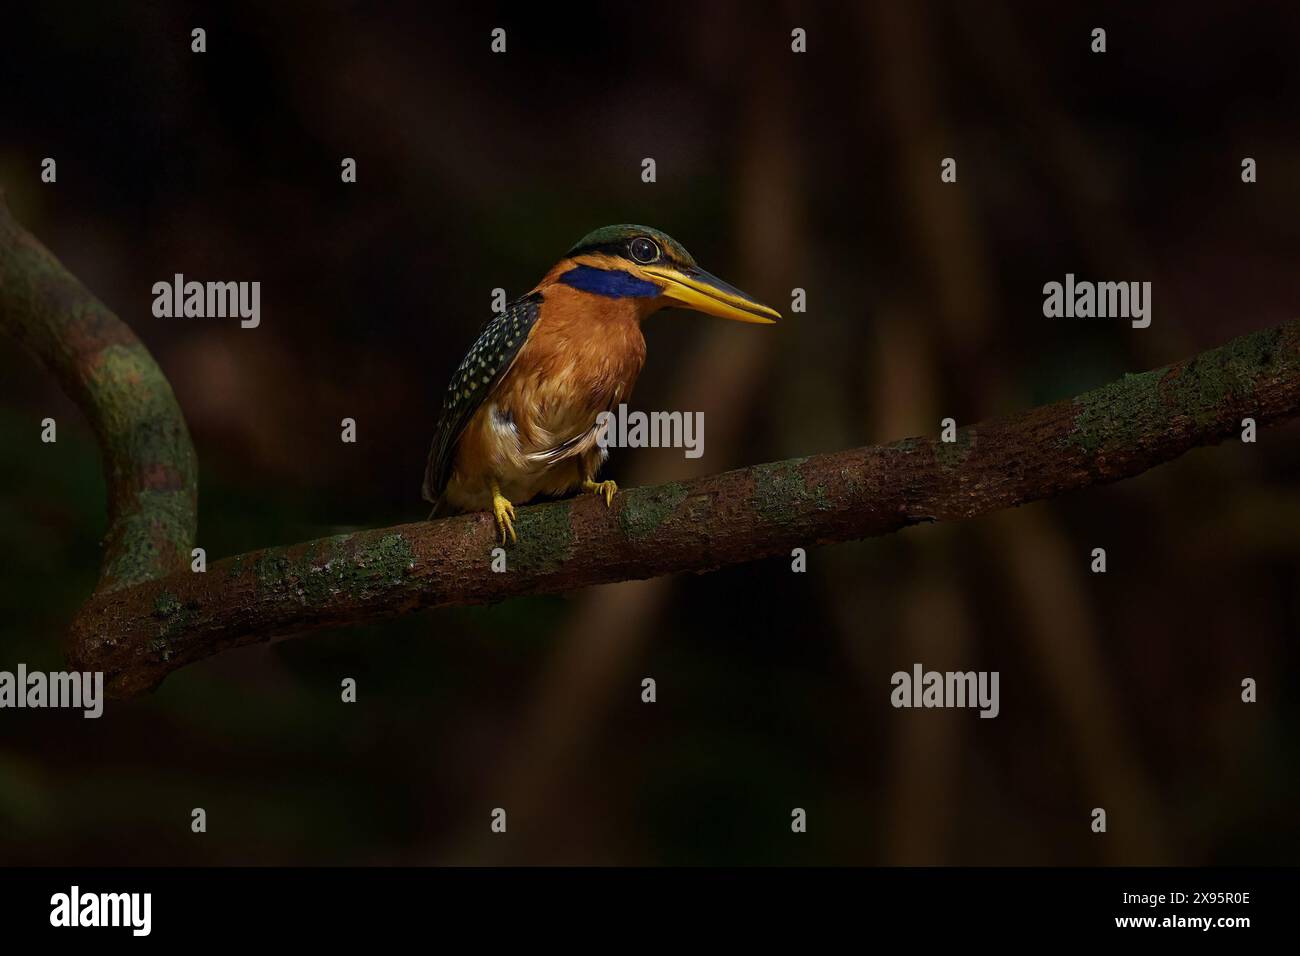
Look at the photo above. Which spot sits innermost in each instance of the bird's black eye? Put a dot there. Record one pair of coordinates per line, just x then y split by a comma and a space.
644, 250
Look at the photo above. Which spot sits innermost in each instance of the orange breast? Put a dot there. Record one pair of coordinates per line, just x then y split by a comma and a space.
583, 357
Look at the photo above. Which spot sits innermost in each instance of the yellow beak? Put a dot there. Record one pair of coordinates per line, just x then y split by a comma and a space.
693, 288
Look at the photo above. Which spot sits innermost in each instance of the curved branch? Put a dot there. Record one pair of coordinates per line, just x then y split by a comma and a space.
149, 462
140, 634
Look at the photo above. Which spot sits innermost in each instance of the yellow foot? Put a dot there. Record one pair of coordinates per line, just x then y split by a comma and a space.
505, 515
606, 488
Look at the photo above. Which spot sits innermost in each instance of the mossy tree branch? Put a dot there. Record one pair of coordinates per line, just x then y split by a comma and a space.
141, 634
152, 617
149, 462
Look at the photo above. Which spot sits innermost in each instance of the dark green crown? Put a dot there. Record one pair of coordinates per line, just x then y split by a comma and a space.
613, 240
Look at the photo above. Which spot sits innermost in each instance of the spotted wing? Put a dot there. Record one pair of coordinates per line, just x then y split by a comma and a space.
486, 363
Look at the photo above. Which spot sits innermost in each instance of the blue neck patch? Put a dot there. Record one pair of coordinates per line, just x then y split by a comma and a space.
611, 283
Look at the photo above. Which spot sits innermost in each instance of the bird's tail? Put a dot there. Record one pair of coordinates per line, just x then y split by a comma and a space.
429, 491
441, 509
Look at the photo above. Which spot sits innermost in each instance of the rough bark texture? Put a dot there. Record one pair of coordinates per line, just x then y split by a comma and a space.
150, 615
140, 634
149, 461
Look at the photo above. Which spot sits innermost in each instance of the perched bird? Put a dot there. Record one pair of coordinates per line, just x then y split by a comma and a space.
520, 415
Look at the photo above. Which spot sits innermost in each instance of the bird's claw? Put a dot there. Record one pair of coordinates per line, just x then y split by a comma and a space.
606, 489
505, 514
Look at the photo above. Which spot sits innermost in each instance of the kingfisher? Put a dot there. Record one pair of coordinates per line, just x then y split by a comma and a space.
521, 417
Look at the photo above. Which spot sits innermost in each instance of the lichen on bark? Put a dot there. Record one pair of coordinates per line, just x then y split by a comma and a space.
149, 463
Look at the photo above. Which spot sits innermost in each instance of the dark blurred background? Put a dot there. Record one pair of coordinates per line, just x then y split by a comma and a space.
776, 170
